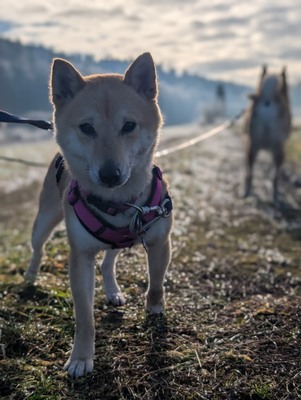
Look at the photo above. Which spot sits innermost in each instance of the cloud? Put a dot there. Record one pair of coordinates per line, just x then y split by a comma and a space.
206, 37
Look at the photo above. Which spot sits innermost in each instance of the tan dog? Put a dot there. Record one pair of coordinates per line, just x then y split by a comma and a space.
107, 129
267, 124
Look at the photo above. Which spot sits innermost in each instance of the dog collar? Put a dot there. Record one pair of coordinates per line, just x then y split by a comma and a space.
143, 219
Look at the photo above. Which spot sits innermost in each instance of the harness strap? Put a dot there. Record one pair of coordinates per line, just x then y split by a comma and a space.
102, 230
97, 227
155, 195
60, 167
107, 207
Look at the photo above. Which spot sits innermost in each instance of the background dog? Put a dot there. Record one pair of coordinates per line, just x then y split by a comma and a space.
267, 124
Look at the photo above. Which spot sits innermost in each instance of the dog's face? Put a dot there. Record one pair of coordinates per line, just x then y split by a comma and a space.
106, 125
272, 88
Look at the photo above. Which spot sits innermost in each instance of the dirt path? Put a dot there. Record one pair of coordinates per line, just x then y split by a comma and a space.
232, 329
210, 215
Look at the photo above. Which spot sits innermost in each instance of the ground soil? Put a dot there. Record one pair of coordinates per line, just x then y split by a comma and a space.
232, 323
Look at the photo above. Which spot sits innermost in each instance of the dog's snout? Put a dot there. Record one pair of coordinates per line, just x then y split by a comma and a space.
110, 175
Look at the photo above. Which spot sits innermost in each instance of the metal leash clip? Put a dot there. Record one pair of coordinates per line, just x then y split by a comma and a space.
136, 224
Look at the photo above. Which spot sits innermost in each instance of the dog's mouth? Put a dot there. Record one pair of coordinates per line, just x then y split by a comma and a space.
113, 180
112, 185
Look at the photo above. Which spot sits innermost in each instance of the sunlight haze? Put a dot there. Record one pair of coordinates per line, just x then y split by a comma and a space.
219, 39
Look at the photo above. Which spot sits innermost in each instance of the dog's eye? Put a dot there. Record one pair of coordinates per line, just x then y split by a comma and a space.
128, 127
87, 129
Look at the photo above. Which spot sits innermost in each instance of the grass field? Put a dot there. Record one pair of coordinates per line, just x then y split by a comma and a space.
232, 323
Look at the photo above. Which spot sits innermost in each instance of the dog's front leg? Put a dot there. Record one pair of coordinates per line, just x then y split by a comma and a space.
158, 261
251, 153
82, 280
113, 292
278, 155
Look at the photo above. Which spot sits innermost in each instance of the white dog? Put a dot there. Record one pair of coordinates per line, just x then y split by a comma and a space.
267, 124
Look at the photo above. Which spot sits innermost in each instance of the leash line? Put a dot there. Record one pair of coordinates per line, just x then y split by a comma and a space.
164, 152
24, 162
7, 117
193, 141
200, 138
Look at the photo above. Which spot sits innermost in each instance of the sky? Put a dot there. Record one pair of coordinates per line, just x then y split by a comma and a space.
218, 39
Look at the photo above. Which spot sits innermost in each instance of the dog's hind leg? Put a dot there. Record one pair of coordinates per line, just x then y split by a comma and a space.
278, 156
158, 261
251, 153
49, 215
113, 292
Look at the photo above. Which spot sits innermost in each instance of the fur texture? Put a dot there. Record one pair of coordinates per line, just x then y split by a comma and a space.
267, 124
107, 128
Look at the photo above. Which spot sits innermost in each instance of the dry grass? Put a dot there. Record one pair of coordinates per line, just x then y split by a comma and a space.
232, 325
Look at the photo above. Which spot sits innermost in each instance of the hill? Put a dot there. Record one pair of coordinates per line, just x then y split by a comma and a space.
24, 74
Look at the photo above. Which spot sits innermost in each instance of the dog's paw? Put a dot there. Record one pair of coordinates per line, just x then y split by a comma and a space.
30, 276
116, 299
245, 194
155, 301
155, 310
79, 367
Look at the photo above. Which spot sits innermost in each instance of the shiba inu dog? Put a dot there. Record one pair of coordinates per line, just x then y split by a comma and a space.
106, 187
267, 124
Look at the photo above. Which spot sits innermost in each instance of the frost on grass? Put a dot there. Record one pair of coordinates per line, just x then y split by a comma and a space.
232, 324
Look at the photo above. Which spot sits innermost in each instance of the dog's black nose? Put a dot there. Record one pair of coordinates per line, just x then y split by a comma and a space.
110, 175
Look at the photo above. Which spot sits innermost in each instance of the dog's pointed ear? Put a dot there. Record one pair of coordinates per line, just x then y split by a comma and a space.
284, 81
142, 76
264, 71
253, 97
65, 82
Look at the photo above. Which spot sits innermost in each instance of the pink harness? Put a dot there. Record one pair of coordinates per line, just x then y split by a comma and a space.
143, 219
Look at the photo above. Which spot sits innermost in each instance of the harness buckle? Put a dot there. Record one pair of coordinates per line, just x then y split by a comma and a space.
162, 210
138, 226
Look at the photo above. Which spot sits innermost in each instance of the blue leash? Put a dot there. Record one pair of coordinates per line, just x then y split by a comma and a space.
6, 117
